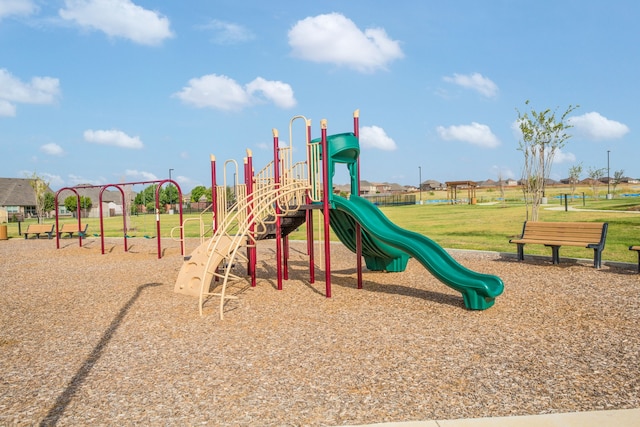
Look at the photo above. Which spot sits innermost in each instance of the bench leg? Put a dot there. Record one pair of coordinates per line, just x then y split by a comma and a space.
520, 251
597, 258
555, 254
639, 262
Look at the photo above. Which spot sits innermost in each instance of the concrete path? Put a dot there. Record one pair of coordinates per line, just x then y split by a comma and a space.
615, 418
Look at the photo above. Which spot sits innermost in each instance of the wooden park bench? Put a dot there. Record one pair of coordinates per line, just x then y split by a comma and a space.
39, 229
72, 227
637, 249
589, 235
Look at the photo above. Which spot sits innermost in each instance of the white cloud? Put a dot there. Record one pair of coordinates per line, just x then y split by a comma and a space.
376, 137
229, 33
74, 180
40, 90
112, 137
475, 133
184, 182
17, 8
502, 172
7, 109
597, 127
335, 39
141, 175
223, 93
279, 93
52, 149
53, 180
475, 81
562, 157
119, 18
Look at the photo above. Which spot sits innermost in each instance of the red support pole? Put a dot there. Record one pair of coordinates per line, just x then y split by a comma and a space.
57, 229
79, 214
102, 230
181, 223
356, 131
124, 217
170, 181
285, 257
310, 237
325, 207
55, 204
158, 218
251, 251
276, 171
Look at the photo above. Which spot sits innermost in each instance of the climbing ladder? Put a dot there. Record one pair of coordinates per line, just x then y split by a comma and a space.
279, 190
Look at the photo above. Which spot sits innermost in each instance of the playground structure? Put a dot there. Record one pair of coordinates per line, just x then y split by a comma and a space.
125, 208
282, 196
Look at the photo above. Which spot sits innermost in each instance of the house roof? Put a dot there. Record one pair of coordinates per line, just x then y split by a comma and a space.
17, 192
111, 194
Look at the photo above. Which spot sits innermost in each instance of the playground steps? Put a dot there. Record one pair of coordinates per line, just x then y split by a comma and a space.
289, 222
191, 274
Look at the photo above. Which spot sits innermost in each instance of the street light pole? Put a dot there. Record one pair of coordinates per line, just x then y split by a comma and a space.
170, 195
420, 184
608, 176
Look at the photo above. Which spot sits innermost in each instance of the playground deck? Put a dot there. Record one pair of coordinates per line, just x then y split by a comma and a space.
109, 342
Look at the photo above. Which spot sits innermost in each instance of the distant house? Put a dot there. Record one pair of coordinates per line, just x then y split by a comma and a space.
488, 183
547, 181
112, 203
18, 197
367, 187
431, 185
396, 188
502, 183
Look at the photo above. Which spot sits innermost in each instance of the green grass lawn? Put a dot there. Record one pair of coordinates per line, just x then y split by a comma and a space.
462, 226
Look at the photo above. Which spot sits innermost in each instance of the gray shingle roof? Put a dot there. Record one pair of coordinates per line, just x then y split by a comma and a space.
17, 192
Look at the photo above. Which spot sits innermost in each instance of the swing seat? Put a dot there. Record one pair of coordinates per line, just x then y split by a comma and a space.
149, 237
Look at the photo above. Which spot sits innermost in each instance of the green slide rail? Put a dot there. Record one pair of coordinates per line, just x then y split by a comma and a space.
478, 290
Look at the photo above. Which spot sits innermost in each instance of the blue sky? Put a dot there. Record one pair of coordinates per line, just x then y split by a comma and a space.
107, 91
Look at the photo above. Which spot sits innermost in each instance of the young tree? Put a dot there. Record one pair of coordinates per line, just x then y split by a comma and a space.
49, 202
617, 178
71, 203
147, 198
542, 135
40, 187
197, 192
501, 187
231, 195
595, 176
574, 177
169, 195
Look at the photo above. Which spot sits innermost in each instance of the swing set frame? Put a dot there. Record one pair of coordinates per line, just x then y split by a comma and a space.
125, 205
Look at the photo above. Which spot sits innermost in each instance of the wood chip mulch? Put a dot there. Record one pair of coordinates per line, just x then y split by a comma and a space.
92, 339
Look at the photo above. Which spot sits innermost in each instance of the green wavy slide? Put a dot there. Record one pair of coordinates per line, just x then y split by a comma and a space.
383, 240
